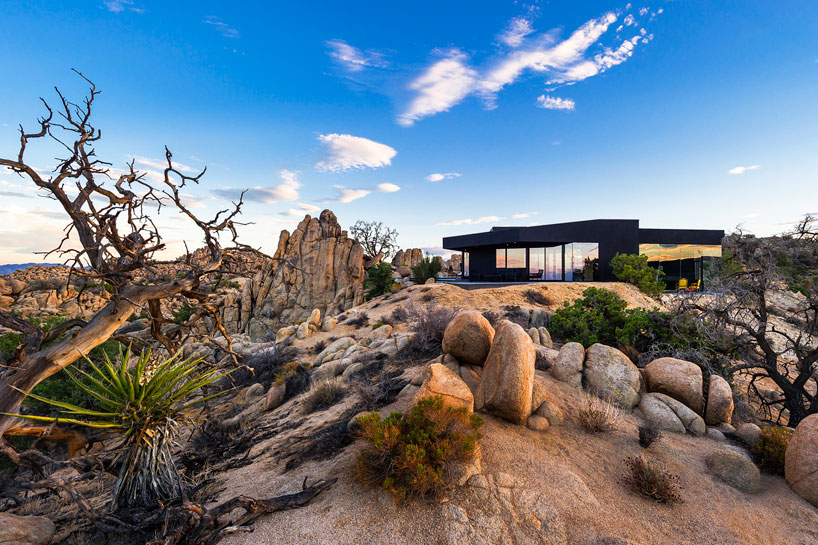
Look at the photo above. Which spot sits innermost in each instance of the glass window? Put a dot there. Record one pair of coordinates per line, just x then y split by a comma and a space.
465, 264
515, 258
500, 259
584, 263
553, 263
684, 265
536, 263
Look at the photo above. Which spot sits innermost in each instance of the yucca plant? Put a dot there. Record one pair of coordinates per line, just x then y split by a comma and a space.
143, 403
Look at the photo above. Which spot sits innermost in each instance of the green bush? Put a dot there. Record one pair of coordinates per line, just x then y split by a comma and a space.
378, 280
426, 269
634, 269
184, 313
8, 346
769, 452
408, 455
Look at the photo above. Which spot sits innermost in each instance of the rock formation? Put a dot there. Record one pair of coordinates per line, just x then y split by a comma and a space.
409, 257
315, 267
801, 462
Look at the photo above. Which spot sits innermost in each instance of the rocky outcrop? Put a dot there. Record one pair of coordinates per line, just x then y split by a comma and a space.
439, 380
409, 257
468, 337
508, 375
671, 414
612, 376
801, 461
681, 380
719, 402
316, 267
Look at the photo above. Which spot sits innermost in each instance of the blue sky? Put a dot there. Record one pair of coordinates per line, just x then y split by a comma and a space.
681, 114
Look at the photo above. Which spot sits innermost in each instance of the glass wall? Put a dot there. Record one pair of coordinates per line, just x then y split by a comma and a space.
553, 263
465, 265
684, 265
500, 258
515, 258
536, 263
582, 262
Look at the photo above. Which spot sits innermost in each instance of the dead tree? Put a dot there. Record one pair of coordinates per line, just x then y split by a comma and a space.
378, 240
111, 238
775, 343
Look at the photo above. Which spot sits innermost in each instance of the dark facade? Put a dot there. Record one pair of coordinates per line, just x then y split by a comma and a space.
582, 251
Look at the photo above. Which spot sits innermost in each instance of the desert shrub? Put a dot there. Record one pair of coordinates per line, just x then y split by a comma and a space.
651, 479
492, 317
770, 450
537, 297
266, 364
319, 347
517, 315
360, 320
183, 313
323, 394
8, 346
409, 455
378, 280
426, 269
649, 433
143, 404
634, 269
592, 318
378, 324
232, 284
429, 323
597, 415
399, 315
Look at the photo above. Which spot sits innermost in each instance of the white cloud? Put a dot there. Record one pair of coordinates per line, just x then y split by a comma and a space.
520, 216
469, 221
629, 20
441, 86
161, 165
224, 29
518, 28
346, 194
555, 103
437, 177
118, 6
352, 58
344, 152
643, 11
387, 188
287, 190
742, 170
303, 208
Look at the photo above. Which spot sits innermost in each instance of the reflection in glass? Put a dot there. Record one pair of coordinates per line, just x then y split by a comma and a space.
584, 263
515, 258
553, 263
465, 264
536, 263
683, 264
500, 259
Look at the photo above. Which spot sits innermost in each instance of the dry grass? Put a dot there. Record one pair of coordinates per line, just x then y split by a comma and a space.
323, 394
597, 415
651, 479
648, 434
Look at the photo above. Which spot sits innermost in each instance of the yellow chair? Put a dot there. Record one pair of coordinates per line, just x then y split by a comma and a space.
682, 284
695, 286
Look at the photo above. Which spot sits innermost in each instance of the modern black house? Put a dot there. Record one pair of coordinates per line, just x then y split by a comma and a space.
582, 251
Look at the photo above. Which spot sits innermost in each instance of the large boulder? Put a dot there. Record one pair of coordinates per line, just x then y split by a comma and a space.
612, 376
685, 419
677, 378
749, 434
719, 402
21, 530
568, 367
440, 380
736, 470
508, 374
801, 461
546, 357
468, 337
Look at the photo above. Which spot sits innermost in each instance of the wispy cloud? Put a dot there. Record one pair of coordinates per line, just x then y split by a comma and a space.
118, 6
448, 81
345, 152
438, 177
469, 221
156, 164
555, 103
742, 170
346, 194
287, 190
516, 31
441, 86
303, 208
352, 58
224, 29
387, 188
10, 193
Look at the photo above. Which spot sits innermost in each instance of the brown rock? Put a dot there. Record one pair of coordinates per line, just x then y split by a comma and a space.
681, 380
612, 376
20, 530
719, 401
508, 374
801, 461
735, 469
468, 337
537, 423
440, 380
568, 367
275, 396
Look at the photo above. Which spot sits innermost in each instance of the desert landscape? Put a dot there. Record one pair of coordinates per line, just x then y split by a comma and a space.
193, 362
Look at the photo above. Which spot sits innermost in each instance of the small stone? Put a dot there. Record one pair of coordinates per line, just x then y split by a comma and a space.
254, 392
715, 435
550, 412
275, 396
22, 530
568, 367
545, 337
537, 423
749, 434
478, 481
